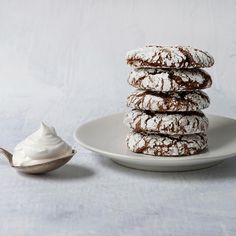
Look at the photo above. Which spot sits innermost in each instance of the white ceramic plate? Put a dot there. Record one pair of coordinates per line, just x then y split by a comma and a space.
106, 136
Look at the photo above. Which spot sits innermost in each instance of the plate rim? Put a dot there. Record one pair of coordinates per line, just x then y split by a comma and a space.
143, 157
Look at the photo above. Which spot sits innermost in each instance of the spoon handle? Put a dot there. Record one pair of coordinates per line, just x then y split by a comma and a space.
7, 154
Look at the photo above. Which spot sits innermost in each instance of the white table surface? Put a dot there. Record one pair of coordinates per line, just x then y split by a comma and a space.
94, 196
62, 62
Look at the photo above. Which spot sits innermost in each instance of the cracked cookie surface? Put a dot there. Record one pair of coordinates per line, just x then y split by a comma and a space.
165, 80
172, 101
167, 123
169, 57
162, 145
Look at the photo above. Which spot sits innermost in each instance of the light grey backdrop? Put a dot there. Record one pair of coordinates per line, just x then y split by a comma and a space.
63, 61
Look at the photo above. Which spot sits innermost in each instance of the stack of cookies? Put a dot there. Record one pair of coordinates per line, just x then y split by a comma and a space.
166, 117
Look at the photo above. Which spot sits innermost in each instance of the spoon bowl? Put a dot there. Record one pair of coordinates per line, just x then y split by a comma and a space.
39, 168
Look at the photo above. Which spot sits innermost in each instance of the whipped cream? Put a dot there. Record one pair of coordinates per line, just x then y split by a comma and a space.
42, 146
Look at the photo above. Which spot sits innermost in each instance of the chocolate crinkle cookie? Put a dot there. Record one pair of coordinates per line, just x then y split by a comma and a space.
166, 123
168, 102
169, 57
163, 145
166, 80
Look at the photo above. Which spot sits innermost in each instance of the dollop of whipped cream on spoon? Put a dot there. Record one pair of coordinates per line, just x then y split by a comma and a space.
42, 146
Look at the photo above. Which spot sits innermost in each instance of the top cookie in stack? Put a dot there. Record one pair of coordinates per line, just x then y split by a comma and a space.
166, 119
169, 57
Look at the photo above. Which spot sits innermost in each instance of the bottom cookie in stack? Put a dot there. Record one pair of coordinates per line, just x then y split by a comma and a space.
166, 145
167, 134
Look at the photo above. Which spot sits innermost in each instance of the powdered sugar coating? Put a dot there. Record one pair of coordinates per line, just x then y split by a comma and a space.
166, 80
172, 101
162, 145
167, 123
169, 57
